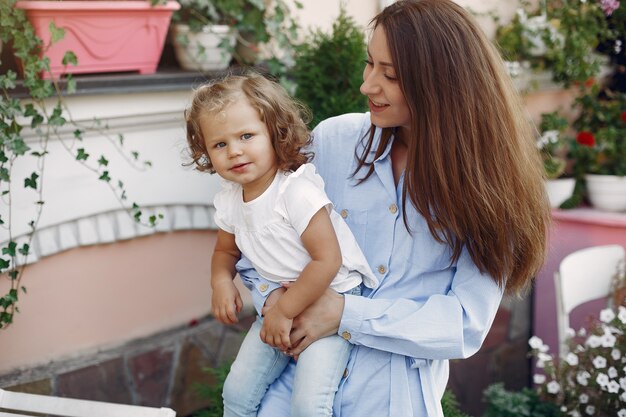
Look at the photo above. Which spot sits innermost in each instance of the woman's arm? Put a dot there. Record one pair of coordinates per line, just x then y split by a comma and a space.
445, 326
320, 241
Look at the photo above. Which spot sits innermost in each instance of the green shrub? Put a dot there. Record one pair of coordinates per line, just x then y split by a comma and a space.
328, 70
524, 403
450, 405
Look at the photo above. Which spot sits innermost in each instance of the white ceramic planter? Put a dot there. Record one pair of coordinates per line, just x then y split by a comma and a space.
607, 192
203, 52
559, 190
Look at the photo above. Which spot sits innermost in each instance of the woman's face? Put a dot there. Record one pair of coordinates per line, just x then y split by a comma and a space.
386, 101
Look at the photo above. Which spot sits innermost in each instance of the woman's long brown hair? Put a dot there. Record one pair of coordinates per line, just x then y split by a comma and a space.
473, 170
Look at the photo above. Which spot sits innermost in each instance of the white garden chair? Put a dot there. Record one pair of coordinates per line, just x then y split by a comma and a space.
17, 402
584, 275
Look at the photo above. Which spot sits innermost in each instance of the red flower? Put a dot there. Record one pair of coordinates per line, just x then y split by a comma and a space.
586, 138
624, 116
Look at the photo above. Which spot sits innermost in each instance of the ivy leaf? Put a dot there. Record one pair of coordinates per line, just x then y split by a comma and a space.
121, 139
4, 174
24, 250
135, 155
32, 181
56, 33
3, 157
13, 274
69, 58
82, 155
19, 147
105, 176
103, 161
4, 264
57, 119
78, 134
71, 85
9, 249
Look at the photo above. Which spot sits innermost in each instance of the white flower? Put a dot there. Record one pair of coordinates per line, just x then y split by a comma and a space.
613, 387
599, 362
583, 377
535, 342
622, 383
623, 396
574, 413
612, 372
553, 387
590, 409
539, 379
572, 359
583, 1
607, 340
542, 358
602, 380
616, 354
617, 47
582, 331
607, 315
621, 413
594, 341
621, 315
569, 332
583, 398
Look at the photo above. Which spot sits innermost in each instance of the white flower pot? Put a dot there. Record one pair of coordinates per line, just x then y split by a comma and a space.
203, 51
559, 190
607, 192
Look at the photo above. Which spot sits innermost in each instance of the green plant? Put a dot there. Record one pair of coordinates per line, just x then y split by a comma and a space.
525, 403
450, 405
551, 144
213, 391
46, 114
259, 24
328, 70
600, 143
558, 35
591, 378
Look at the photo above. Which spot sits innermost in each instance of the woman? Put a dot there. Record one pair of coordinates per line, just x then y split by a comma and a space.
442, 186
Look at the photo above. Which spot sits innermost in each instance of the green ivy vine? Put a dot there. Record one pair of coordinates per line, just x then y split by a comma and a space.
19, 116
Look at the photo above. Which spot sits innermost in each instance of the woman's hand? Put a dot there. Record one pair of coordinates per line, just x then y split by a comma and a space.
319, 320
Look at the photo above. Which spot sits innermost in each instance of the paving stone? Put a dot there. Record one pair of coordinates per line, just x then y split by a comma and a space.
151, 372
102, 382
189, 373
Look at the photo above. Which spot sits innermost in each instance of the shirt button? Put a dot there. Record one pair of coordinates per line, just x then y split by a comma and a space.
345, 373
346, 335
263, 287
344, 213
393, 208
382, 269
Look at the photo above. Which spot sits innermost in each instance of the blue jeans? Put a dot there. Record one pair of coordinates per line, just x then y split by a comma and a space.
318, 372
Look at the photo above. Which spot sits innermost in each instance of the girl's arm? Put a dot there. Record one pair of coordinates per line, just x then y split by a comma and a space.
226, 301
320, 241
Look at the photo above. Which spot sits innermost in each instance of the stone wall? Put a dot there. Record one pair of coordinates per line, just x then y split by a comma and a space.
162, 370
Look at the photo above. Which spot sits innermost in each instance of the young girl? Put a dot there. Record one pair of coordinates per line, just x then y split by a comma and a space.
273, 210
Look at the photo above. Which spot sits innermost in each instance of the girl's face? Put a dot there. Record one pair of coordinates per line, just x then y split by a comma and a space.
240, 147
386, 102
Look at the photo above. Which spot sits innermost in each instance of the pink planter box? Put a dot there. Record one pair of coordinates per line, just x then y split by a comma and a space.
106, 36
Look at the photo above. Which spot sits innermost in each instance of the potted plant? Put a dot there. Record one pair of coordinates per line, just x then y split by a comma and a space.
208, 34
203, 35
551, 144
599, 148
557, 36
104, 36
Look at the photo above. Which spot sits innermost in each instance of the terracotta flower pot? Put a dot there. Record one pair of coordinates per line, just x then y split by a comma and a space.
106, 36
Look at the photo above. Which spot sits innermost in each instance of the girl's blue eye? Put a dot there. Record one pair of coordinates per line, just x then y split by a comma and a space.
220, 145
246, 136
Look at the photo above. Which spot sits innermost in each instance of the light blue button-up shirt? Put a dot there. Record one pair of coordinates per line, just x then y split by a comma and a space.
425, 310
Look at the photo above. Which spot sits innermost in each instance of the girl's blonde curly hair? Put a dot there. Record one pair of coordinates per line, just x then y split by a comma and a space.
284, 117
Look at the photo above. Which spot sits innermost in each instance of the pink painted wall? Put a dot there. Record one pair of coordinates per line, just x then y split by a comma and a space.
101, 296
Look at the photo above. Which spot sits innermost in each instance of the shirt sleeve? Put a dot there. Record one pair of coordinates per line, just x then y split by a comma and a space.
301, 196
259, 287
223, 206
447, 326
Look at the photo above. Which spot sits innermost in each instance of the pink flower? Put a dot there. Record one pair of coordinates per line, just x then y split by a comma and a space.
586, 139
609, 6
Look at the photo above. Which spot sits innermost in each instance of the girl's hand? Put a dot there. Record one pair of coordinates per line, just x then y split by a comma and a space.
319, 320
276, 328
273, 299
226, 302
